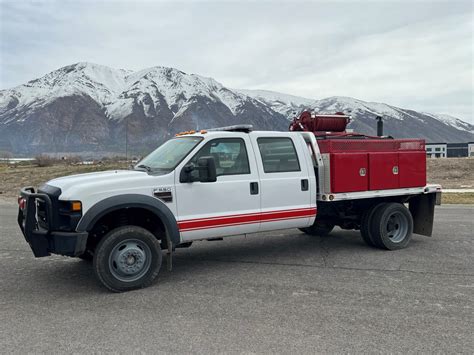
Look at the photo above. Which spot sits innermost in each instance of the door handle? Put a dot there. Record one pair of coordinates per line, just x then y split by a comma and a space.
254, 188
304, 185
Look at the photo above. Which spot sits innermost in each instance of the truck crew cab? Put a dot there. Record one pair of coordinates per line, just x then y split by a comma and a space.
232, 181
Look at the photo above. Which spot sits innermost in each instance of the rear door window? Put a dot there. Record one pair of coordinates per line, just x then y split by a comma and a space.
278, 154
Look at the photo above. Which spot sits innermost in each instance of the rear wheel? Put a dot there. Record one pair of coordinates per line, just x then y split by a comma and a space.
366, 223
127, 258
392, 226
320, 228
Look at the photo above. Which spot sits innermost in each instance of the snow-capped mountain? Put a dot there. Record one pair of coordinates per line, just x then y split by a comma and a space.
281, 103
452, 121
398, 122
86, 107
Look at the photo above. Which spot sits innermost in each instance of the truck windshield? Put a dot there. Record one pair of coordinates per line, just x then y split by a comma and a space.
168, 155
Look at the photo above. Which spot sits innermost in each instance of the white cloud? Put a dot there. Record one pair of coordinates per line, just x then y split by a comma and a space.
415, 54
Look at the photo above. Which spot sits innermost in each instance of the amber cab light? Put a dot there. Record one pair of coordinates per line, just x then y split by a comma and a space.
76, 206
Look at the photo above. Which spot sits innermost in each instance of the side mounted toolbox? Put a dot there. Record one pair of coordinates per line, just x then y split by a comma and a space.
373, 164
349, 172
383, 170
412, 167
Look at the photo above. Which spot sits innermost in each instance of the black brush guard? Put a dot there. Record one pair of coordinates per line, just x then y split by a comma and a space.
42, 240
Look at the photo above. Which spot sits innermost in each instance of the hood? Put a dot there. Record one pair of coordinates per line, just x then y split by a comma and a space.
102, 183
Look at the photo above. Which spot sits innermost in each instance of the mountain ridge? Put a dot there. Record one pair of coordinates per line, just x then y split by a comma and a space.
87, 106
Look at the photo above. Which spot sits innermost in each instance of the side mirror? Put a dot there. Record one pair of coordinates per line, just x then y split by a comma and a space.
207, 169
185, 175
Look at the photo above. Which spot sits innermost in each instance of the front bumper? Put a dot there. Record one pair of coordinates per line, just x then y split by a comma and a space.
42, 240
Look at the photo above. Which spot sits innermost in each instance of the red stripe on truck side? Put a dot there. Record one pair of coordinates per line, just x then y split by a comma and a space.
224, 221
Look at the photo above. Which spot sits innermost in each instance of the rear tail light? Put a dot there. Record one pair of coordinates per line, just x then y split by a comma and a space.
21, 202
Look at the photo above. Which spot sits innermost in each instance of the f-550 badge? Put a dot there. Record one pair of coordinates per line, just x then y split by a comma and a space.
163, 193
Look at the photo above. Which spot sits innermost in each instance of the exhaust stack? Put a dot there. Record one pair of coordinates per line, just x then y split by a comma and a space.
379, 126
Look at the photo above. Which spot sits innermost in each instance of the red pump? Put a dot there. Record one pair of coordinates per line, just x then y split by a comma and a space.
311, 122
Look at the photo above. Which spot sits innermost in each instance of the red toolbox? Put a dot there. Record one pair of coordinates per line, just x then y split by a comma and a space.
412, 169
349, 172
375, 164
383, 171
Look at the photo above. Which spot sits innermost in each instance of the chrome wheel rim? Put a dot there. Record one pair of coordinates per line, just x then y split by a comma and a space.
130, 260
397, 227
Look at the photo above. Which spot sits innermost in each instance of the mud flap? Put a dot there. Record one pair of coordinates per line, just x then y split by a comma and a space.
422, 210
169, 254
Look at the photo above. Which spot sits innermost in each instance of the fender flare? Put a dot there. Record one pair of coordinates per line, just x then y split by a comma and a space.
114, 203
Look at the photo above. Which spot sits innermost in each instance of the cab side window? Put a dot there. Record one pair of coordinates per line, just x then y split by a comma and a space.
229, 154
278, 154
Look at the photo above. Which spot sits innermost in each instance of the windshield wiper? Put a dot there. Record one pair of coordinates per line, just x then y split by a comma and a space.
144, 167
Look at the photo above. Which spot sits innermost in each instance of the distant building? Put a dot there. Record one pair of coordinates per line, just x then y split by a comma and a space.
436, 150
457, 150
470, 149
450, 150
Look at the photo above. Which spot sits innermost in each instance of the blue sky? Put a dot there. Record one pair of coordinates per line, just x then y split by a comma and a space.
413, 54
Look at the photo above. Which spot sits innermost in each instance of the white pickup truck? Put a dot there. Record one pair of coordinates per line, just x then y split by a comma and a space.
207, 185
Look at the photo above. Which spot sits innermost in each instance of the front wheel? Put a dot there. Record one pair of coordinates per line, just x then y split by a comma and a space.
127, 258
320, 228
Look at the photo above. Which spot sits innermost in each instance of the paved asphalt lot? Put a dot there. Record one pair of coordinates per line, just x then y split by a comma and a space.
276, 292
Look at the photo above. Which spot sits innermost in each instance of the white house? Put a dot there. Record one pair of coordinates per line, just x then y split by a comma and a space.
436, 150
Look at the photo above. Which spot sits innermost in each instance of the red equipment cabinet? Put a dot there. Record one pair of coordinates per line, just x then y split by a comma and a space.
412, 167
349, 172
383, 171
390, 163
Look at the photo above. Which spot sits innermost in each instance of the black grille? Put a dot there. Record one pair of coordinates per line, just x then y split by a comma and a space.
41, 213
53, 193
62, 218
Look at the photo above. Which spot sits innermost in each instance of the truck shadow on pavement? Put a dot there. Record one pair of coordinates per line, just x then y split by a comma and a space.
231, 255
290, 248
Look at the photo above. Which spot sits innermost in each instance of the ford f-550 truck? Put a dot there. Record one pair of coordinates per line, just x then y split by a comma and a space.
232, 181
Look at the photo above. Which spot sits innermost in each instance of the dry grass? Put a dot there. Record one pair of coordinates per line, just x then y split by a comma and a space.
451, 173
457, 198
12, 178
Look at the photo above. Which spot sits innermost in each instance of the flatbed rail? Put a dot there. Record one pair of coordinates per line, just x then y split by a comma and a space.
344, 196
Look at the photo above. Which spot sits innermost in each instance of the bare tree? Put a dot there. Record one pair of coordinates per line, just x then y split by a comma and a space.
5, 156
44, 160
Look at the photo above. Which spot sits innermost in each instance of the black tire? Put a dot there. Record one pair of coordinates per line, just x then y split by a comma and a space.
392, 226
87, 256
319, 228
366, 223
127, 258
